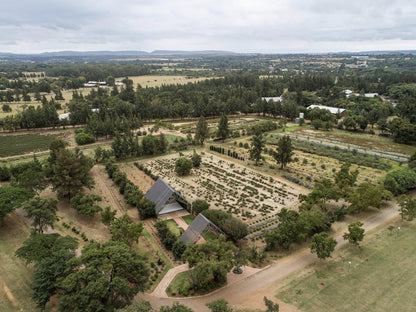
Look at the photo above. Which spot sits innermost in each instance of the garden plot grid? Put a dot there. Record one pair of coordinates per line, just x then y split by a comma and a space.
228, 186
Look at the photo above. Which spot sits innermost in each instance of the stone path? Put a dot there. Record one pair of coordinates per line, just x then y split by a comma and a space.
160, 290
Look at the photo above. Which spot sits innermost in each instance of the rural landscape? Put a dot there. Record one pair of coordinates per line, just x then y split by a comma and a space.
207, 156
187, 183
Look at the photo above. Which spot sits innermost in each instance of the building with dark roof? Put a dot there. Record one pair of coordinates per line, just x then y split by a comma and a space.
197, 227
165, 198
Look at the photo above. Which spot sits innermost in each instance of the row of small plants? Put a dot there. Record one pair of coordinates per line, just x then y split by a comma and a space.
76, 231
146, 171
230, 153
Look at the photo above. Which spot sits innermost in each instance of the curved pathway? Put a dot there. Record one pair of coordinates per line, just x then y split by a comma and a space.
256, 284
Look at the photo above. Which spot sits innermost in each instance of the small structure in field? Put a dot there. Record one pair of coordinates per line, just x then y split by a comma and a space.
165, 198
197, 227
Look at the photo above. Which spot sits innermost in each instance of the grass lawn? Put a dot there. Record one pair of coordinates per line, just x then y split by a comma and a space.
188, 219
20, 144
381, 276
173, 227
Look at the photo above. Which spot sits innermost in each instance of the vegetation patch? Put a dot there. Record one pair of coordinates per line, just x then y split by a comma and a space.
26, 143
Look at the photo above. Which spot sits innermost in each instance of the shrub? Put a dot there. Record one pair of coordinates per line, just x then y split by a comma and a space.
400, 180
183, 166
83, 138
199, 205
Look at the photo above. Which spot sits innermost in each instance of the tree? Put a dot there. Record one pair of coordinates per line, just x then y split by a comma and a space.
284, 152
50, 253
163, 143
196, 160
345, 178
12, 197
323, 191
183, 166
105, 277
108, 215
270, 305
399, 180
407, 207
223, 130
202, 131
125, 230
214, 258
146, 209
86, 203
138, 306
70, 172
219, 305
355, 233
43, 212
367, 195
257, 145
178, 248
199, 205
322, 245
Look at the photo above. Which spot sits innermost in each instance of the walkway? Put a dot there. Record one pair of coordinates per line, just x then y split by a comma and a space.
255, 285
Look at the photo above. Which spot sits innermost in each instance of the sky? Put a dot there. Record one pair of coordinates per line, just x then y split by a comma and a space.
262, 26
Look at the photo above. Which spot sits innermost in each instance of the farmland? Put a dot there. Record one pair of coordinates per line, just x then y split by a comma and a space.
157, 81
229, 186
25, 143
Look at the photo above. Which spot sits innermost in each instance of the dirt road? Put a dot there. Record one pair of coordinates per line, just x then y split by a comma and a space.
254, 287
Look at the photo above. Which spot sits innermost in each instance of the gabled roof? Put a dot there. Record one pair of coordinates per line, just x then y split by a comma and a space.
332, 110
160, 193
200, 223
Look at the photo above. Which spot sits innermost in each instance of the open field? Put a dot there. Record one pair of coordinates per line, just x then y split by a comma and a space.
229, 186
18, 144
380, 277
157, 81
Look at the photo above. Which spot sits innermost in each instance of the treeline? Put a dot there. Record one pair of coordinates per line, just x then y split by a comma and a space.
132, 194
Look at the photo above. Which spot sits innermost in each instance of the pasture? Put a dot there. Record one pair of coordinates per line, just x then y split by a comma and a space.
157, 81
18, 144
380, 277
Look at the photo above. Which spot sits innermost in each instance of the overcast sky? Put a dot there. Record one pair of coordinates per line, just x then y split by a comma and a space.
268, 26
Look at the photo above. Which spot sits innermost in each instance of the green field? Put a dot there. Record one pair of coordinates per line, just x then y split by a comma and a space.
11, 145
381, 276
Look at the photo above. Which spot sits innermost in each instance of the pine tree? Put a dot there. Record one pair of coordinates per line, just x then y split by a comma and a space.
284, 151
223, 130
257, 146
201, 132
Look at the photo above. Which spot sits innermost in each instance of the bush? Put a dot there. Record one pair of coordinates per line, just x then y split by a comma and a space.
232, 227
4, 173
199, 205
183, 166
167, 238
83, 138
196, 160
400, 180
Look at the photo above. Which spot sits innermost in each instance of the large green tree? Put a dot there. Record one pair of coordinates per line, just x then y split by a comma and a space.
42, 211
223, 130
70, 172
12, 197
105, 277
345, 178
86, 204
202, 131
284, 152
257, 145
322, 245
50, 254
124, 230
183, 166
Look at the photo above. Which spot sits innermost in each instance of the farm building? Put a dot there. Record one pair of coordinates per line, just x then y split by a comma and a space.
273, 98
165, 198
332, 110
197, 227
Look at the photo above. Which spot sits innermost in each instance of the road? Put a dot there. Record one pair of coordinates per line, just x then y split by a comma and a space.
258, 284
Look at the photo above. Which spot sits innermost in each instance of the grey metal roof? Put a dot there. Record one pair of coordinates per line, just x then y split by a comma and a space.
195, 229
160, 193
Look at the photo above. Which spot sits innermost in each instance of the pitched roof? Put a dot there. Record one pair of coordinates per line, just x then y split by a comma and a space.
192, 233
160, 193
333, 110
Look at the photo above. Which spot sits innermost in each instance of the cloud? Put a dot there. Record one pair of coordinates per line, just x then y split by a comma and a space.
252, 26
